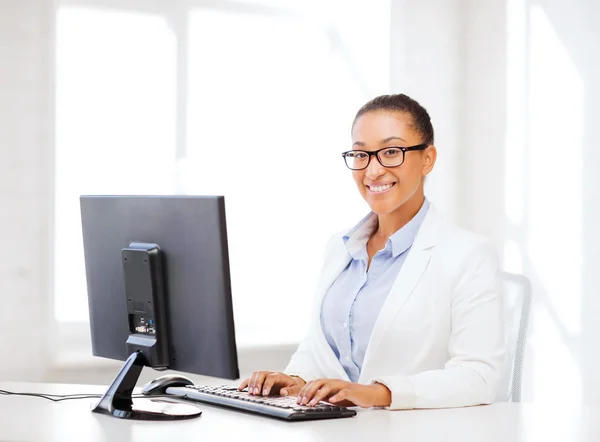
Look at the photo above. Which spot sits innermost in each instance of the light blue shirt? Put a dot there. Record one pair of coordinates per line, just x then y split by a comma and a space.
353, 302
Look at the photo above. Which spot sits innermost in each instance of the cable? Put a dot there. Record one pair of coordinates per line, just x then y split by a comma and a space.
66, 397
53, 398
50, 394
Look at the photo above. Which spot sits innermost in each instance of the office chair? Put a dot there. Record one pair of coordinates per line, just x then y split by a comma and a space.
516, 290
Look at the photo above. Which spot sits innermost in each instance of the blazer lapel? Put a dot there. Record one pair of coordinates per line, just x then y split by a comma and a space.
411, 272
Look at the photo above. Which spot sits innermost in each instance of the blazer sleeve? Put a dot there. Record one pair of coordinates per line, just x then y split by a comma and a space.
303, 362
476, 346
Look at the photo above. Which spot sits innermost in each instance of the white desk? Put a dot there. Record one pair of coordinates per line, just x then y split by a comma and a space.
34, 419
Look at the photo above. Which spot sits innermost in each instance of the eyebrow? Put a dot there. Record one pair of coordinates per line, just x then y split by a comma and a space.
385, 140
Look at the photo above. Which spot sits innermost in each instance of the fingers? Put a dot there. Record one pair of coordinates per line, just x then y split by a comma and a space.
292, 390
309, 390
323, 393
253, 382
339, 392
273, 382
346, 403
256, 381
244, 384
268, 382
342, 395
351, 397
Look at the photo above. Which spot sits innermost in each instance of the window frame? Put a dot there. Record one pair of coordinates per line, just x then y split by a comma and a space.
70, 344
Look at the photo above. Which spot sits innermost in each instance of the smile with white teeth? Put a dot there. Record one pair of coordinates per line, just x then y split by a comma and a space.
380, 188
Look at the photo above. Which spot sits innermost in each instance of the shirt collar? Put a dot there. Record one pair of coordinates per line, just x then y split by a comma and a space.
357, 237
404, 237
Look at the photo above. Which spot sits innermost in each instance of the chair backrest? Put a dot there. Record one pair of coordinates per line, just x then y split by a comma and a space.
516, 290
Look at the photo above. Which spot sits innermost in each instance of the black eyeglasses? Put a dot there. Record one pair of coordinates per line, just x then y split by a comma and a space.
387, 157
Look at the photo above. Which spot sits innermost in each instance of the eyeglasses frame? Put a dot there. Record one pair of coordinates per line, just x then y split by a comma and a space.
376, 154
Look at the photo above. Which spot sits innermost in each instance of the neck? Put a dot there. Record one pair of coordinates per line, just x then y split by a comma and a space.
390, 223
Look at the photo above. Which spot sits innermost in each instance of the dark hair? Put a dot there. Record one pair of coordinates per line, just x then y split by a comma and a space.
401, 103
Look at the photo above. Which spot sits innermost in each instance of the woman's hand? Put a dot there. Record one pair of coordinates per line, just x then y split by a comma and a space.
344, 394
267, 382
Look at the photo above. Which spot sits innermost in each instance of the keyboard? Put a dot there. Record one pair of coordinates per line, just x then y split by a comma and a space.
281, 407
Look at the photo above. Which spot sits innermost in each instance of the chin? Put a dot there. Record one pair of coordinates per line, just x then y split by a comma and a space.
387, 205
381, 208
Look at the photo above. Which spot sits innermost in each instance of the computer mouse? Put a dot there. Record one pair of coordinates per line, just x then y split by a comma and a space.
160, 384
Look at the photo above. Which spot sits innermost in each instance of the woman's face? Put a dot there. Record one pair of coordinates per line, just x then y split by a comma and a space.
376, 130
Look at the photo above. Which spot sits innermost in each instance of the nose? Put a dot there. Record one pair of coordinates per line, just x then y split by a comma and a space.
374, 169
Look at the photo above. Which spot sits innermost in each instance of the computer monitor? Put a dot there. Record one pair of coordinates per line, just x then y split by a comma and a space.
159, 292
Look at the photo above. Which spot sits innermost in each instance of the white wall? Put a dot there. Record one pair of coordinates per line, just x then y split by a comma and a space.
576, 25
426, 63
26, 147
579, 25
554, 161
483, 117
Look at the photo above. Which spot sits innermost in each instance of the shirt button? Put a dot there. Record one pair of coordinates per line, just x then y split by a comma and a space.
345, 325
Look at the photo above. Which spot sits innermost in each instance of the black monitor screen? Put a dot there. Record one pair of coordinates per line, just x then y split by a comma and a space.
191, 234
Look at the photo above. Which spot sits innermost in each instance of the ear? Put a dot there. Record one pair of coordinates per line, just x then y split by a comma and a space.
429, 157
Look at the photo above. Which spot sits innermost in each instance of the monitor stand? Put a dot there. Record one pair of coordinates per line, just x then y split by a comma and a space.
117, 400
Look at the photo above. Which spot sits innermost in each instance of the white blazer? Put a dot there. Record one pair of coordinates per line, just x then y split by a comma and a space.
438, 340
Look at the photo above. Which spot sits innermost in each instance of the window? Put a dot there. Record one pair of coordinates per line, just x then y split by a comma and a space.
115, 126
276, 113
543, 78
265, 97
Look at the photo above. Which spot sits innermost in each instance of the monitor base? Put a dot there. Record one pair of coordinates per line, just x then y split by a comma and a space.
117, 400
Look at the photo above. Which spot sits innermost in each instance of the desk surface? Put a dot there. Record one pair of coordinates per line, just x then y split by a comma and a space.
35, 419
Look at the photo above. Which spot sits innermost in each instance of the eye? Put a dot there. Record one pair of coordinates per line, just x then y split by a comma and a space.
392, 152
358, 155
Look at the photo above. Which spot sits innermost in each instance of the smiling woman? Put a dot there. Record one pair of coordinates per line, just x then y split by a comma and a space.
408, 309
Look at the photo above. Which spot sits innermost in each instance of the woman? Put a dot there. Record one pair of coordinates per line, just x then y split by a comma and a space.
408, 311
